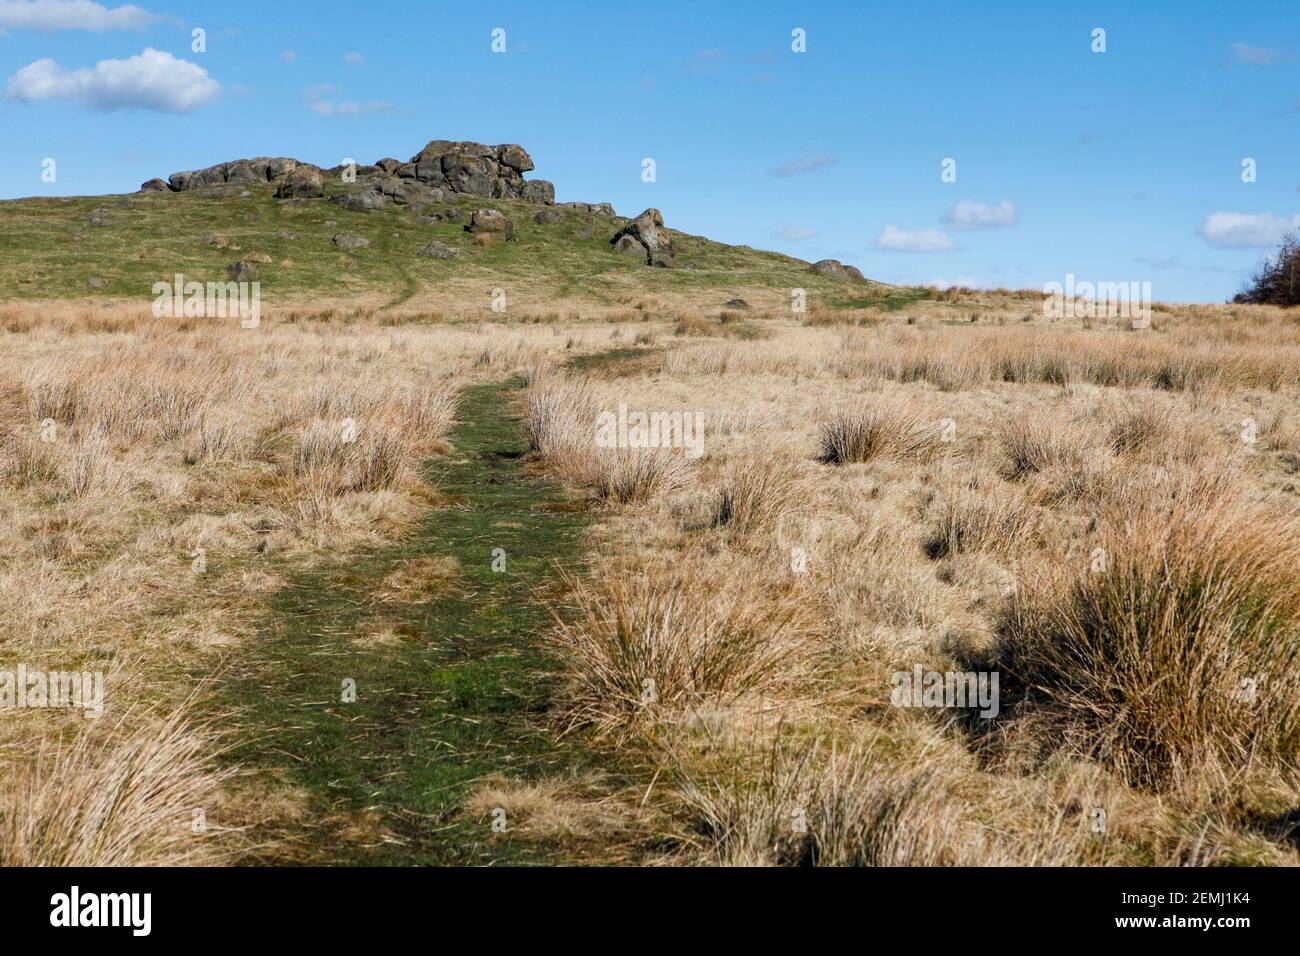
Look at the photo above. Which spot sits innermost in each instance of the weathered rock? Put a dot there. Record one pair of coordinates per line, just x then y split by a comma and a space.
345, 241
365, 200
473, 168
263, 169
629, 245
491, 221
836, 270
648, 232
305, 182
155, 186
389, 166
661, 260
243, 271
547, 217
599, 208
538, 190
437, 250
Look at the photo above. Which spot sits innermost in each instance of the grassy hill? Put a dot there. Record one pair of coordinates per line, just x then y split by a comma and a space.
118, 246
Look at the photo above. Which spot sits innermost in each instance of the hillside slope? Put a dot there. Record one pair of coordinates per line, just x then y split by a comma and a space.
119, 246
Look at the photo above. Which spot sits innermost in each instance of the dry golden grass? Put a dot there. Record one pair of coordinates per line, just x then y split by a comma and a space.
743, 612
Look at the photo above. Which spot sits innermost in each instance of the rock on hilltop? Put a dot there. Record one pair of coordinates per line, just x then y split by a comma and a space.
474, 169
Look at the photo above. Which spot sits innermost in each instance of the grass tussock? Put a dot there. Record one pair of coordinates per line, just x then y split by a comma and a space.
646, 647
880, 430
125, 798
1174, 652
755, 495
818, 806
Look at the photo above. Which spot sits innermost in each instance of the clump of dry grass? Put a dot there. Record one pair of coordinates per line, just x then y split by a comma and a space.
980, 521
1139, 429
817, 806
1037, 444
561, 424
755, 495
882, 429
643, 647
25, 460
120, 798
1175, 652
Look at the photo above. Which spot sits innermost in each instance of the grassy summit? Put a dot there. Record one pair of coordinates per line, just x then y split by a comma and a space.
118, 246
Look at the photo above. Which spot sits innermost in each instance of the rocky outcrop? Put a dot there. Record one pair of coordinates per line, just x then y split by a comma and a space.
599, 208
646, 236
264, 169
154, 186
443, 166
473, 169
836, 270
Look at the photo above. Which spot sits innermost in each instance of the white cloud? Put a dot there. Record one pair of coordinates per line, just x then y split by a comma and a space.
319, 100
893, 239
1240, 230
796, 233
969, 214
150, 81
288, 56
1258, 55
808, 164
353, 59
962, 282
51, 15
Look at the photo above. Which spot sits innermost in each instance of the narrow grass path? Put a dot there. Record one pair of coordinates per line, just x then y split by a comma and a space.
449, 697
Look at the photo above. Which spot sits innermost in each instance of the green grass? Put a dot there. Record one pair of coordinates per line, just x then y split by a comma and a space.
49, 250
462, 697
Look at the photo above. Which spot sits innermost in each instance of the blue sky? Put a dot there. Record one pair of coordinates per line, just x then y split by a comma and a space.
1117, 166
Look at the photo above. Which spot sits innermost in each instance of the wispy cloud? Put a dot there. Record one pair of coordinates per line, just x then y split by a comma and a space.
153, 80
1161, 264
52, 15
288, 55
796, 233
353, 59
893, 239
969, 214
1258, 55
320, 100
806, 164
1241, 230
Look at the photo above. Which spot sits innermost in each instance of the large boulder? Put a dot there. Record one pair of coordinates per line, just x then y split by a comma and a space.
345, 241
473, 168
363, 200
154, 186
305, 182
491, 222
538, 190
836, 270
648, 232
